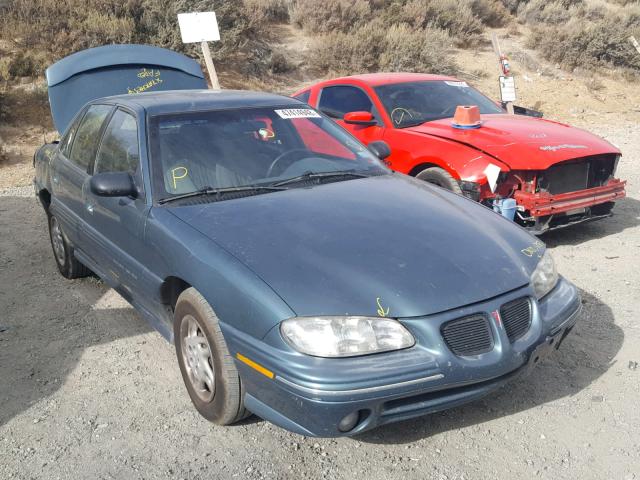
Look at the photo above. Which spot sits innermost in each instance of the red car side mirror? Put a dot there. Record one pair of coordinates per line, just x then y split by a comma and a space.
360, 118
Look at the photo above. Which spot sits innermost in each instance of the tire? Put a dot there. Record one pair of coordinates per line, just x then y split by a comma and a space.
207, 368
441, 178
68, 265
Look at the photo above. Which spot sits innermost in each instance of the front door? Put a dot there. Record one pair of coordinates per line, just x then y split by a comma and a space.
69, 169
337, 100
114, 226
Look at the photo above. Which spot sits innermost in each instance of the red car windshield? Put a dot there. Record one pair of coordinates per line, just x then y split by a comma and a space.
412, 103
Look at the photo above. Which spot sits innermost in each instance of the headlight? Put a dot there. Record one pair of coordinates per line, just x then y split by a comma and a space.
545, 276
345, 336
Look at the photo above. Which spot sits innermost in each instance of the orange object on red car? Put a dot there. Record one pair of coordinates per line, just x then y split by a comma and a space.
467, 116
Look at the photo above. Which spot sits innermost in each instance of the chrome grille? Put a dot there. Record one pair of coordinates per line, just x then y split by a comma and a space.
516, 317
468, 335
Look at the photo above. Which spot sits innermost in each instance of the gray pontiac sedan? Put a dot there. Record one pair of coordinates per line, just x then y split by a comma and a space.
298, 277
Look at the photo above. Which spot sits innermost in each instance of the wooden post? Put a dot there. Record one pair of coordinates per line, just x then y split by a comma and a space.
213, 76
635, 43
496, 49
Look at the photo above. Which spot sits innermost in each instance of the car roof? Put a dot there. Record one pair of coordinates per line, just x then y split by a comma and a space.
376, 79
175, 101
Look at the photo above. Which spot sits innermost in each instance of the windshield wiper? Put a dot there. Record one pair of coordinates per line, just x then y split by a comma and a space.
218, 192
311, 175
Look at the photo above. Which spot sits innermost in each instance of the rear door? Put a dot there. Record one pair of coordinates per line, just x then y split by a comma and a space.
337, 100
70, 167
115, 225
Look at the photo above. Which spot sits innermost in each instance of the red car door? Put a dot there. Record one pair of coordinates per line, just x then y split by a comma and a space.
337, 100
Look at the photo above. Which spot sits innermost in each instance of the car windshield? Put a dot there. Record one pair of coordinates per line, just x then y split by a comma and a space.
232, 150
412, 103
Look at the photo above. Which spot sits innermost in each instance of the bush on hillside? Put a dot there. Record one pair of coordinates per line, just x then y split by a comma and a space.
375, 48
330, 15
453, 16
553, 13
492, 13
55, 28
603, 44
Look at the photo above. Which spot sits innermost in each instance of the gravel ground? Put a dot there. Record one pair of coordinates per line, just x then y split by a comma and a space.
88, 390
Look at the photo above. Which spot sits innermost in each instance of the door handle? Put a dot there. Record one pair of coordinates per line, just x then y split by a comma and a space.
55, 180
90, 208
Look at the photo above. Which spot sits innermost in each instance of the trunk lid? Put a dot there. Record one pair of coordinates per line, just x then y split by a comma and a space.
113, 70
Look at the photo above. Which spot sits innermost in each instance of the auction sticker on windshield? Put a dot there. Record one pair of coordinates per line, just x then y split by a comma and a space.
298, 113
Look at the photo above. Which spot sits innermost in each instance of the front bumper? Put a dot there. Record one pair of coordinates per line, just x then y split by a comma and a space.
543, 203
310, 396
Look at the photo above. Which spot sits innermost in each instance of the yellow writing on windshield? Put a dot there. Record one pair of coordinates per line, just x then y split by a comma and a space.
175, 176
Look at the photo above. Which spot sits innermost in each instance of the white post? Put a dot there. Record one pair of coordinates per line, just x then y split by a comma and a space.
213, 76
201, 27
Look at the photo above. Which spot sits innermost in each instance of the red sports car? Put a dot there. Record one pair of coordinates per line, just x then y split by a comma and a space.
558, 175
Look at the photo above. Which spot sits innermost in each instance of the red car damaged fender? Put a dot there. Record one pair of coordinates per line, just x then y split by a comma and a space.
558, 175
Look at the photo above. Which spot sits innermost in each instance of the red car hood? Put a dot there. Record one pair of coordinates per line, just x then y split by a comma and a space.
522, 143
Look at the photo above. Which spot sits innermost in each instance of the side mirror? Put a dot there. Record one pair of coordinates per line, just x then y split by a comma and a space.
380, 149
113, 184
360, 118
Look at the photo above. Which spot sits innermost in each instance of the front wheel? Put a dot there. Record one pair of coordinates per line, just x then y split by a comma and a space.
440, 177
207, 368
68, 265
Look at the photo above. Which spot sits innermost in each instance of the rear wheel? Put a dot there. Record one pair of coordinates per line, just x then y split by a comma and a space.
207, 368
68, 265
442, 178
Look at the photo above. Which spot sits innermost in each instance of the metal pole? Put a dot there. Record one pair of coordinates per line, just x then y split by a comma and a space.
213, 76
498, 52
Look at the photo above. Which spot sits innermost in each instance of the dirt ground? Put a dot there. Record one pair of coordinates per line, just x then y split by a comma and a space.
88, 390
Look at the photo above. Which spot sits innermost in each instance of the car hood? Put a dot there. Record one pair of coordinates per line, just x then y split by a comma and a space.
521, 142
388, 245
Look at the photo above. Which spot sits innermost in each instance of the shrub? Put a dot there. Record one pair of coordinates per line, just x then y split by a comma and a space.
376, 48
269, 10
330, 15
490, 12
603, 44
453, 16
416, 51
542, 11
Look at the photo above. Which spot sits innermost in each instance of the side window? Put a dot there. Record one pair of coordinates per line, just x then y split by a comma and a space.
304, 96
338, 100
119, 150
84, 146
67, 140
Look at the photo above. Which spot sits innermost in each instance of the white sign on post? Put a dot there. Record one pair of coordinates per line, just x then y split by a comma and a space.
201, 27
507, 89
198, 27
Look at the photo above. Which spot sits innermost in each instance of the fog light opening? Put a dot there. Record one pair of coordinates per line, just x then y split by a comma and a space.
349, 422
